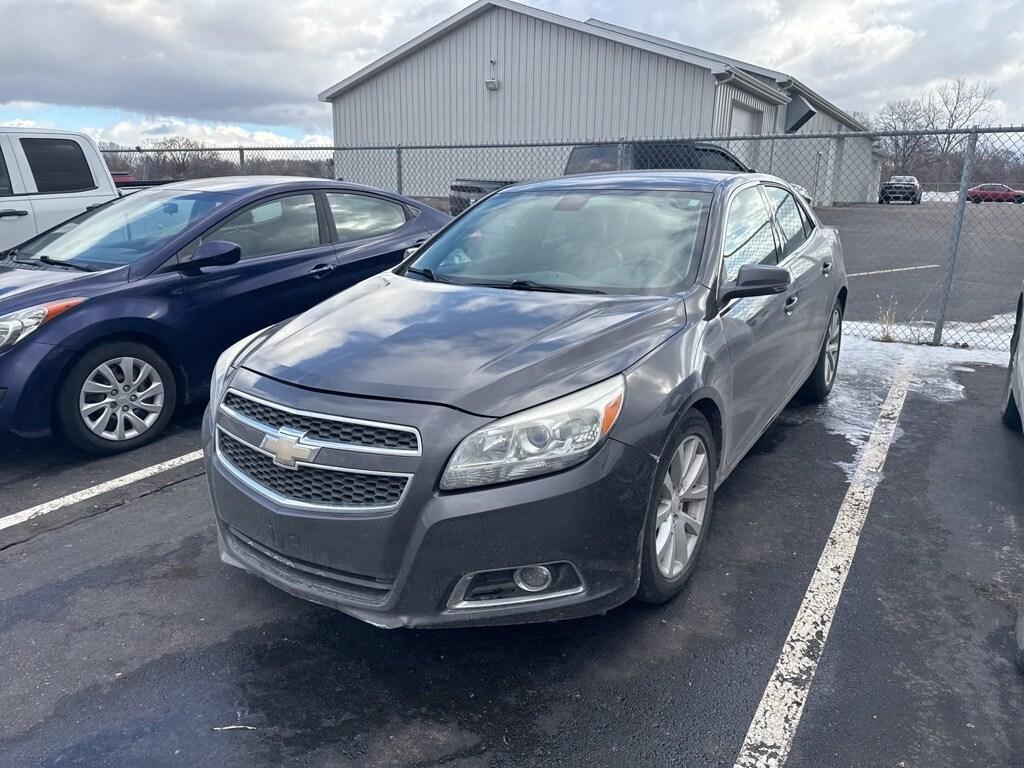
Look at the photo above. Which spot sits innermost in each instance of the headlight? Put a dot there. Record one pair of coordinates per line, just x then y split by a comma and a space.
226, 364
15, 326
539, 440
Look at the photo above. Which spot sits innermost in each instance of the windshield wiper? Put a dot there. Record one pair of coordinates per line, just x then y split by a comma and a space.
58, 263
531, 285
430, 274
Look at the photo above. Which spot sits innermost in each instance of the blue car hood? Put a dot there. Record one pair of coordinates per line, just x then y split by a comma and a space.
483, 350
20, 288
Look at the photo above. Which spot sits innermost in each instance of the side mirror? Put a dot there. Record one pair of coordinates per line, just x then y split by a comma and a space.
755, 280
214, 253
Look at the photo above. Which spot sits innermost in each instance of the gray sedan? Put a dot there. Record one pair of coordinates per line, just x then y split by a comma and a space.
528, 419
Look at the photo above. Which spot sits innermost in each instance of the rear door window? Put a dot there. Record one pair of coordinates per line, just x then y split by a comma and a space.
789, 217
749, 238
361, 216
58, 165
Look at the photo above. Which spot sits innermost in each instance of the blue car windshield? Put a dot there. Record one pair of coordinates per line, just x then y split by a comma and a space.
601, 240
124, 230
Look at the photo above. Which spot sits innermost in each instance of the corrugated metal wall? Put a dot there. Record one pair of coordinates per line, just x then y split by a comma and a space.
557, 84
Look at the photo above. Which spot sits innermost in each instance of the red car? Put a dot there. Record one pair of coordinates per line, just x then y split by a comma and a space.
995, 193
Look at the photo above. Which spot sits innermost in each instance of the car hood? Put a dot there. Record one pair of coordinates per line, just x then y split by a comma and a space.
486, 351
20, 288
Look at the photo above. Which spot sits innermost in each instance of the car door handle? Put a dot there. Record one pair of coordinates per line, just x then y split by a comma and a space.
790, 304
10, 213
322, 270
826, 268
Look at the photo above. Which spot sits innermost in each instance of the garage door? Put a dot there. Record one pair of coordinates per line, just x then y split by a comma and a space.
744, 121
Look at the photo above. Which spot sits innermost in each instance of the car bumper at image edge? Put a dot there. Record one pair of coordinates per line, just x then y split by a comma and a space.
456, 536
29, 374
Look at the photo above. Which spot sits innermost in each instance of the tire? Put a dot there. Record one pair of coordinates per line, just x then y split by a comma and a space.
118, 423
661, 583
819, 384
976, 200
1011, 408
1019, 201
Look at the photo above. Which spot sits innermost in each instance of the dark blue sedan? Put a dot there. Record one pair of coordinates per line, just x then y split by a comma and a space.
111, 319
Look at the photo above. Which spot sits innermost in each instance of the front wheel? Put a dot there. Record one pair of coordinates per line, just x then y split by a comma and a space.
823, 377
117, 397
680, 510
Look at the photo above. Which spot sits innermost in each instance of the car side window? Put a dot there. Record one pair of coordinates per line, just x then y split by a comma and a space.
58, 165
360, 216
749, 238
6, 188
282, 225
789, 217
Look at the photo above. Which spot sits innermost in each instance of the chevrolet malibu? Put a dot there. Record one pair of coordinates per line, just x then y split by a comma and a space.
528, 418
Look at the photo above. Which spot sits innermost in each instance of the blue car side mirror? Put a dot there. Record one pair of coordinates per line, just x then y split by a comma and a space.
214, 253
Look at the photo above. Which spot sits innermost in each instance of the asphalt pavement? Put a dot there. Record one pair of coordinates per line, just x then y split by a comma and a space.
125, 642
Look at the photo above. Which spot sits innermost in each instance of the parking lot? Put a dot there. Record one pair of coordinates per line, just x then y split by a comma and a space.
899, 254
125, 642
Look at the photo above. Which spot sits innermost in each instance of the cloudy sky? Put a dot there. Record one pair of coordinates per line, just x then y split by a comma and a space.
248, 71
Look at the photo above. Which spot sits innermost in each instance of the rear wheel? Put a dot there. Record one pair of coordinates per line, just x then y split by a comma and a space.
1011, 408
117, 397
680, 510
976, 200
823, 377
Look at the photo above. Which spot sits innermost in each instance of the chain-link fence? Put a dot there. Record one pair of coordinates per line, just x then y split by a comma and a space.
937, 258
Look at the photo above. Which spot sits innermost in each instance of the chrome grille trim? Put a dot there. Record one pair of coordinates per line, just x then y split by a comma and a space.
318, 442
286, 501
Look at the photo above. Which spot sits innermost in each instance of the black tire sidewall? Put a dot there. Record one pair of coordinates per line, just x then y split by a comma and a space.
1012, 416
817, 388
69, 420
654, 586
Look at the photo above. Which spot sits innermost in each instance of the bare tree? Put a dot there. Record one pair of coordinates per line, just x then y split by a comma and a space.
906, 152
955, 105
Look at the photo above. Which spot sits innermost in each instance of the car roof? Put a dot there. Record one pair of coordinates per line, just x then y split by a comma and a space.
690, 181
244, 185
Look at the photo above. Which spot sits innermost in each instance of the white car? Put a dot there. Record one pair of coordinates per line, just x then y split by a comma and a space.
1012, 403
46, 177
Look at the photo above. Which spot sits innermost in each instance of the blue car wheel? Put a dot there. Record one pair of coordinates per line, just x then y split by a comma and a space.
116, 397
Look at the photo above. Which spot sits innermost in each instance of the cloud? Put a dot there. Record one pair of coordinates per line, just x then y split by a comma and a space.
133, 132
249, 62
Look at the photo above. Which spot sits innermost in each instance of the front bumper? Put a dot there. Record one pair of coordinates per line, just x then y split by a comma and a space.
29, 373
400, 568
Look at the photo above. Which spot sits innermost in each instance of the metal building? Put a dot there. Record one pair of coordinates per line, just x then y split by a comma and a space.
499, 73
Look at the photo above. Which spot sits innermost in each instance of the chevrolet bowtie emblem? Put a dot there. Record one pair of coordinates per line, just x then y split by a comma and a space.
287, 448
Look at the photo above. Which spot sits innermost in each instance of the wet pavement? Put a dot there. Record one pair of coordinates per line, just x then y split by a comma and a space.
125, 642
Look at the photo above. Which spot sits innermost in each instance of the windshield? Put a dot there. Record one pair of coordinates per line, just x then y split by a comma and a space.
608, 241
122, 231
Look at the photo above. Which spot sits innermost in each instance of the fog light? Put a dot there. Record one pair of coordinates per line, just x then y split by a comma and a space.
532, 578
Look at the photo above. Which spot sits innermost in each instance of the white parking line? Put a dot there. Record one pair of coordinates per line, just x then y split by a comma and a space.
110, 485
894, 269
771, 732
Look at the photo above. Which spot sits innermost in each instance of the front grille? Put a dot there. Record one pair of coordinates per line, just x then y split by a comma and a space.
313, 485
319, 577
342, 432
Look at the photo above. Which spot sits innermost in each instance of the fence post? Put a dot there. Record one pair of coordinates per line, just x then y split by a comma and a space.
954, 241
241, 161
398, 170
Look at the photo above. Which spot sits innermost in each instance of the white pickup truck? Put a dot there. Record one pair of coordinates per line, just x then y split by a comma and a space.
47, 177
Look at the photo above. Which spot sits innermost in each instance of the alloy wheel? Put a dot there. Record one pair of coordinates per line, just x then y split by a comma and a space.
832, 341
121, 399
681, 506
